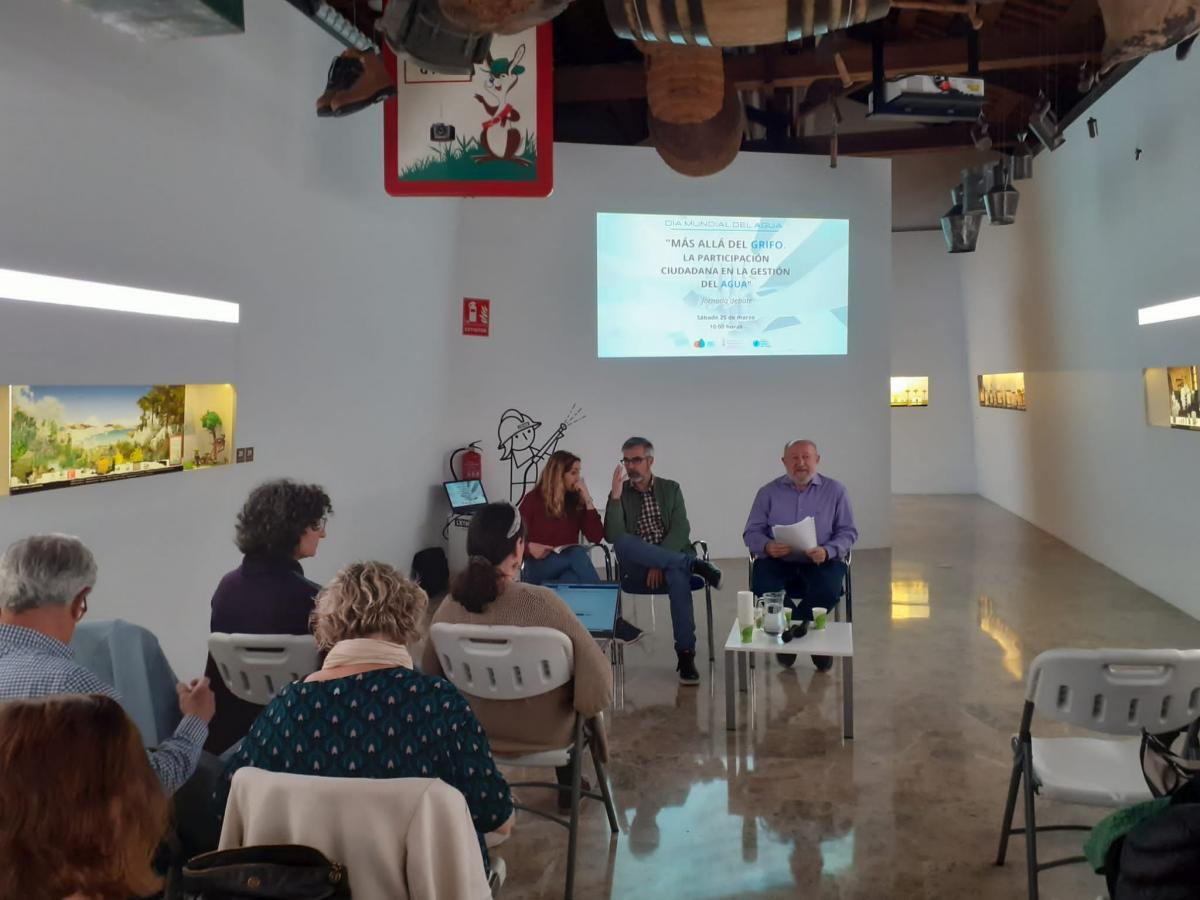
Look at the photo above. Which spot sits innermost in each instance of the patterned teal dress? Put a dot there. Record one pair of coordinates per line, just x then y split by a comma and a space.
388, 723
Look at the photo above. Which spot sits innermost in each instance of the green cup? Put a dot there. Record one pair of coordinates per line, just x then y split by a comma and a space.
787, 615
820, 616
748, 635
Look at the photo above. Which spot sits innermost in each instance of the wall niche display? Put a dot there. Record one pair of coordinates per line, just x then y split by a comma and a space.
1002, 391
71, 435
910, 390
1183, 395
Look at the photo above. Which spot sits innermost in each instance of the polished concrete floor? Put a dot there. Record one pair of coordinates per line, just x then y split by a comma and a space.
945, 626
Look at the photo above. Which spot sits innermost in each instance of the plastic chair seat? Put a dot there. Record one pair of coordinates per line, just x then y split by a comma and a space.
1090, 771
543, 759
696, 583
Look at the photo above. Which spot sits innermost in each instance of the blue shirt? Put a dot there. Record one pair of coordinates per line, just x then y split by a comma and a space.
35, 665
780, 502
386, 723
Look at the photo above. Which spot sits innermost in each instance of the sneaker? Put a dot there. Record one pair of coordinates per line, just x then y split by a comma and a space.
626, 633
787, 659
687, 667
708, 572
823, 663
499, 873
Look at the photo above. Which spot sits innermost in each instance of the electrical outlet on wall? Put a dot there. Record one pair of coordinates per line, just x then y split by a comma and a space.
240, 456
249, 454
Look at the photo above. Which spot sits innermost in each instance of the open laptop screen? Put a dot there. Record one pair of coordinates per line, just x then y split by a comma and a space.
595, 605
465, 496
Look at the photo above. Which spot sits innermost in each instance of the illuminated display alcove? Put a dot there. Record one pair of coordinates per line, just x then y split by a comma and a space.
1002, 391
910, 390
72, 435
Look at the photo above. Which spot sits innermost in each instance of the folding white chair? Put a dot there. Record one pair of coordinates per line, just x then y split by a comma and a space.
1116, 692
256, 666
507, 662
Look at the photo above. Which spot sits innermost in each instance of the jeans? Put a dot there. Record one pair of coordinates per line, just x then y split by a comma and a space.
806, 585
636, 558
572, 565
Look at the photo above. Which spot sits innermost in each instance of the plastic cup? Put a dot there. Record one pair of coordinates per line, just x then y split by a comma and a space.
820, 615
747, 635
787, 615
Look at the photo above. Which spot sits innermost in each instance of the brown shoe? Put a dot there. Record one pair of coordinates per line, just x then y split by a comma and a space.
374, 83
342, 73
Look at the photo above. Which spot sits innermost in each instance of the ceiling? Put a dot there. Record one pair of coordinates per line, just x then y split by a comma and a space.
1025, 47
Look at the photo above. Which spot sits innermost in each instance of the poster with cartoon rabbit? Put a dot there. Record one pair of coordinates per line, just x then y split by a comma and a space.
490, 133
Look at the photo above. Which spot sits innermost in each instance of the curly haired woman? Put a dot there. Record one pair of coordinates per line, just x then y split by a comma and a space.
281, 523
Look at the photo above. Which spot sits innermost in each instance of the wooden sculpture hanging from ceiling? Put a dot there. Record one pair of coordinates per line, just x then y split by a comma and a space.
501, 16
1134, 29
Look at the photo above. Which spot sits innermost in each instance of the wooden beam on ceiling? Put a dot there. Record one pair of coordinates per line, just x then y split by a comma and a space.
999, 51
879, 143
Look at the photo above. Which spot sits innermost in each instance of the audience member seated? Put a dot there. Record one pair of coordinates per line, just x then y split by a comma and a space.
81, 813
646, 522
555, 513
366, 713
812, 578
281, 523
45, 581
488, 592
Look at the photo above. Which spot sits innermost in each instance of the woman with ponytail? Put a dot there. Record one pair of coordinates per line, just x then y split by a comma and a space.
488, 592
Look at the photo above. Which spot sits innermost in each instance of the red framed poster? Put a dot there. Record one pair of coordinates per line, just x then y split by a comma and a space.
490, 134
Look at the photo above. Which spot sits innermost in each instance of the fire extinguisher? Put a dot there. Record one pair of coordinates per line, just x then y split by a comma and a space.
472, 463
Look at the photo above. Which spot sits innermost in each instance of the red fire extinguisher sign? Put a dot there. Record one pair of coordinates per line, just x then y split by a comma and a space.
477, 316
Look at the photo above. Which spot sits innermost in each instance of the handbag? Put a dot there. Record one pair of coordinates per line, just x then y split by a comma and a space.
1167, 769
274, 872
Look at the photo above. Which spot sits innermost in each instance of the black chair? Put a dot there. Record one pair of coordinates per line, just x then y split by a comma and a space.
847, 592
696, 583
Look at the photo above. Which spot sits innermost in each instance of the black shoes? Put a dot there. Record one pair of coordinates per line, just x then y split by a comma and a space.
626, 633
708, 572
786, 659
687, 667
823, 663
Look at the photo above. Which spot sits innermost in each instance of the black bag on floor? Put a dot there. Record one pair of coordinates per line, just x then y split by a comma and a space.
283, 872
431, 571
1160, 858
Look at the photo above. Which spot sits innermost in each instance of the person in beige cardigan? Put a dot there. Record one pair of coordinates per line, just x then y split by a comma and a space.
488, 593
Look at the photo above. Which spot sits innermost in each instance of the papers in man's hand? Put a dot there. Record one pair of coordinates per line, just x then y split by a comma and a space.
801, 537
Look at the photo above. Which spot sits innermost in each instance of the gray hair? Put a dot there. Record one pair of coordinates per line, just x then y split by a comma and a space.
790, 444
44, 570
638, 442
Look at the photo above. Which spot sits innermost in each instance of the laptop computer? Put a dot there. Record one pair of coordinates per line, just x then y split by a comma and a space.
465, 497
594, 604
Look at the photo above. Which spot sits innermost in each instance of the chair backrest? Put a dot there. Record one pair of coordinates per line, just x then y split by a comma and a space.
503, 662
397, 837
1117, 691
255, 667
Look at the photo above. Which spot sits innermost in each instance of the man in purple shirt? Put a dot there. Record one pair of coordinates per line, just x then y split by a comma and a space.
812, 578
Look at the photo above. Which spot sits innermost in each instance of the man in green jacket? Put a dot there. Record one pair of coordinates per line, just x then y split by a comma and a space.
646, 522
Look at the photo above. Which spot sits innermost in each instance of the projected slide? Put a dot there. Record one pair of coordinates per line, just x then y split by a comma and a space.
720, 286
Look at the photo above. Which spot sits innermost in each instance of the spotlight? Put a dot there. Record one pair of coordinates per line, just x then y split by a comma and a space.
975, 182
1001, 201
1020, 163
960, 229
1093, 128
1044, 124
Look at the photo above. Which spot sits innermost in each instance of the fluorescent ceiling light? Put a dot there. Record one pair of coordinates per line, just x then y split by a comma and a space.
34, 288
1169, 312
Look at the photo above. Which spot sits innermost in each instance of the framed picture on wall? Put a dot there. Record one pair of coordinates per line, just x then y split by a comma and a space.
486, 134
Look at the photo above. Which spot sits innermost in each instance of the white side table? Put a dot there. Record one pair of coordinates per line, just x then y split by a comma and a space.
835, 639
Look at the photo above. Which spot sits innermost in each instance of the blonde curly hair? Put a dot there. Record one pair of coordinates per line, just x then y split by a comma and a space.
368, 598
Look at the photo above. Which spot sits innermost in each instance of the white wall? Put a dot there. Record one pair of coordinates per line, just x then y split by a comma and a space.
1098, 235
932, 447
199, 166
718, 424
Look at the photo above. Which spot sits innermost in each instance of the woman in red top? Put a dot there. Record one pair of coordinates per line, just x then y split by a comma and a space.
555, 512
